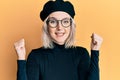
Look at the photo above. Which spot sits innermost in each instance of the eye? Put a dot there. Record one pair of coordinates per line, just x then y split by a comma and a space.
52, 21
66, 21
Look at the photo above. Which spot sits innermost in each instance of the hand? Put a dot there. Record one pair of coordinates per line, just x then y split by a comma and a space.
96, 42
20, 49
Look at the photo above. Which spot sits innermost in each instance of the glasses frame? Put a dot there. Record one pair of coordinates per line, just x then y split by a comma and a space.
58, 22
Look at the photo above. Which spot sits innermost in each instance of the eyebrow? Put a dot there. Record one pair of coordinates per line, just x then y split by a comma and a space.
57, 19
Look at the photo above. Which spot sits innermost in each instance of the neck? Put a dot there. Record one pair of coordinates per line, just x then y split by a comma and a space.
59, 43
58, 46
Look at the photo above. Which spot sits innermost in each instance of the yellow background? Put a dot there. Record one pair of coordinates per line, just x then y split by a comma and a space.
20, 19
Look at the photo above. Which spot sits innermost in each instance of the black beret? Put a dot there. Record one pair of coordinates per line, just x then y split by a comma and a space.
58, 5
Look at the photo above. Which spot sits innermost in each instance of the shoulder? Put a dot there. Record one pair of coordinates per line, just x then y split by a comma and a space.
82, 51
36, 53
39, 51
83, 54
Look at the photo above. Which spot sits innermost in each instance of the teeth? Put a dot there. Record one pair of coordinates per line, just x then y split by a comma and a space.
59, 34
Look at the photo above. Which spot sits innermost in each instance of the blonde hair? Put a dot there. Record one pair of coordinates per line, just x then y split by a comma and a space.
47, 41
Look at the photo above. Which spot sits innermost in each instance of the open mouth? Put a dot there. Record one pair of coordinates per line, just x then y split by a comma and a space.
59, 34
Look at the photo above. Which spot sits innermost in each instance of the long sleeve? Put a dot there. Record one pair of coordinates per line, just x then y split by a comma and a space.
28, 70
21, 73
94, 66
59, 64
88, 66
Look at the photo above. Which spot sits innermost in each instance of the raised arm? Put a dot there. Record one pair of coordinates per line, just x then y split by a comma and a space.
27, 69
21, 62
94, 62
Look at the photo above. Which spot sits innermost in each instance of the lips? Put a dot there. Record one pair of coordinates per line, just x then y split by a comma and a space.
59, 34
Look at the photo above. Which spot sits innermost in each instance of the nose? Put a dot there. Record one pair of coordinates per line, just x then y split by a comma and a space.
59, 26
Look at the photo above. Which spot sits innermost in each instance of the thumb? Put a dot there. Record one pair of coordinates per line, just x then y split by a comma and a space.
93, 39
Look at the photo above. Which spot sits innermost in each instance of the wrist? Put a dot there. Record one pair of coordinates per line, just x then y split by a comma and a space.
21, 58
95, 48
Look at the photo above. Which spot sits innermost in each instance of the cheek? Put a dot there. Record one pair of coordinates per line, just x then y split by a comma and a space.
51, 31
68, 31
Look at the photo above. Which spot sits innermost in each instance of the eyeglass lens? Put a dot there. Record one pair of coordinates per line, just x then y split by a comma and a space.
53, 22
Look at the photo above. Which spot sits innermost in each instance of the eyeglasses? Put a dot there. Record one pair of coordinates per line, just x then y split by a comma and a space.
53, 22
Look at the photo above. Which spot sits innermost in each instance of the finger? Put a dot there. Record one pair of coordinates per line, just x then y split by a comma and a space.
97, 38
93, 39
94, 42
22, 42
19, 43
92, 35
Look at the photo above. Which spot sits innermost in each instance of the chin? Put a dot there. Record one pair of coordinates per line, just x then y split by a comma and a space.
60, 42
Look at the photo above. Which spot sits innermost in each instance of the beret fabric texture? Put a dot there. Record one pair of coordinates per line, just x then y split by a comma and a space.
58, 5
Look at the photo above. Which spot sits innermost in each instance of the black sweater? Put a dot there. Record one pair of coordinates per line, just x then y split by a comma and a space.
59, 63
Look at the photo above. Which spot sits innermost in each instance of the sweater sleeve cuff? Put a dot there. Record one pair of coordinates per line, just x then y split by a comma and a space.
95, 53
21, 72
21, 64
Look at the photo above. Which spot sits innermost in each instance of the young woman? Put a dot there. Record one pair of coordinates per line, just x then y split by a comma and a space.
59, 58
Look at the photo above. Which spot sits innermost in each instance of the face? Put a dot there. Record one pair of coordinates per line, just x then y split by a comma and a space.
58, 26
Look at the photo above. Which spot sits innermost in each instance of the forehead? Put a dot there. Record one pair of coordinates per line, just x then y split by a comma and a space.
59, 15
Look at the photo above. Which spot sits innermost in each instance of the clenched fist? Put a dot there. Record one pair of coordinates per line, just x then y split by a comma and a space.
96, 42
20, 49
